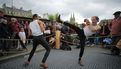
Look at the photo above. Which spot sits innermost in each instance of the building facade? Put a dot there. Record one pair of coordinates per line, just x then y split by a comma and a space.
14, 11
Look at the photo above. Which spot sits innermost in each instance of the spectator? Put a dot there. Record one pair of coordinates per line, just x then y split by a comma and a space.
4, 34
15, 29
54, 27
26, 31
1, 20
115, 28
22, 37
104, 31
29, 34
91, 28
64, 29
46, 26
48, 31
58, 25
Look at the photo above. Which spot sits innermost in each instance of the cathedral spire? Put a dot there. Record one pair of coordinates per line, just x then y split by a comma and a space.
72, 18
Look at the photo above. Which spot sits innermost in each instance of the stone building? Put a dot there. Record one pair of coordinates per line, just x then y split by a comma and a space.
15, 11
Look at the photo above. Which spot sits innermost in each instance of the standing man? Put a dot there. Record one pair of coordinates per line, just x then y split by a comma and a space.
115, 28
104, 31
4, 34
37, 28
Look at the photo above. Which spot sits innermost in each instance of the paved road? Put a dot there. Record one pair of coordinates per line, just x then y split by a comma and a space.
94, 58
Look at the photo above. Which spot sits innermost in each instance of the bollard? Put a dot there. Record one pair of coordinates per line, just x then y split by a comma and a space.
58, 34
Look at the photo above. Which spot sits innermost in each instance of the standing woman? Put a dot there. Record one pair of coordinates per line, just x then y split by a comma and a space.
83, 33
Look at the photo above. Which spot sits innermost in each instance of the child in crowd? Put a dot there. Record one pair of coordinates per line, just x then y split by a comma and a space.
22, 37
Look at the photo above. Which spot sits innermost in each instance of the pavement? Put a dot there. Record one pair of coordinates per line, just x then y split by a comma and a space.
93, 58
16, 53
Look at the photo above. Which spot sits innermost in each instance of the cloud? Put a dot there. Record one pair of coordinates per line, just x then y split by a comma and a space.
82, 8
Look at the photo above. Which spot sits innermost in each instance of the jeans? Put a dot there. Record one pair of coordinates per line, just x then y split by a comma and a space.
36, 41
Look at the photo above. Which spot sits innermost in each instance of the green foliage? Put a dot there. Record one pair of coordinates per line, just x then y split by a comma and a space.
106, 21
30, 16
56, 16
53, 17
1, 11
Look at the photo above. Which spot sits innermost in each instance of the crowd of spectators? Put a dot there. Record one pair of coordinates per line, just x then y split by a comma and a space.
15, 29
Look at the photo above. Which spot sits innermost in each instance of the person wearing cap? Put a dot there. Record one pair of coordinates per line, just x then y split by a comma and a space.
115, 28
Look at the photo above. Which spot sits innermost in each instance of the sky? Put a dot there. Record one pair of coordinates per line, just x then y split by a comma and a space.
104, 9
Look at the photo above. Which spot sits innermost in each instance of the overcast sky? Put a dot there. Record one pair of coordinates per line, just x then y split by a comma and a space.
82, 8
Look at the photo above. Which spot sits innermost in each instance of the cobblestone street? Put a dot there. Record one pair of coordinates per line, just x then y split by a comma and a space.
94, 58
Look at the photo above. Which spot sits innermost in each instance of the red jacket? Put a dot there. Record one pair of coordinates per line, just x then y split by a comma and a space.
14, 27
115, 26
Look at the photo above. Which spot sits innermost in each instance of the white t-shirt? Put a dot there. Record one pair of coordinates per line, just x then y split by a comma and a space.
88, 32
35, 28
22, 36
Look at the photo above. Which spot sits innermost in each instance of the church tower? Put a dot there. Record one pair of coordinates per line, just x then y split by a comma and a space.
72, 18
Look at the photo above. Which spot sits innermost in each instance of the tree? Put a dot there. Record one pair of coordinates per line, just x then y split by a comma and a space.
106, 21
56, 16
53, 17
30, 16
1, 11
